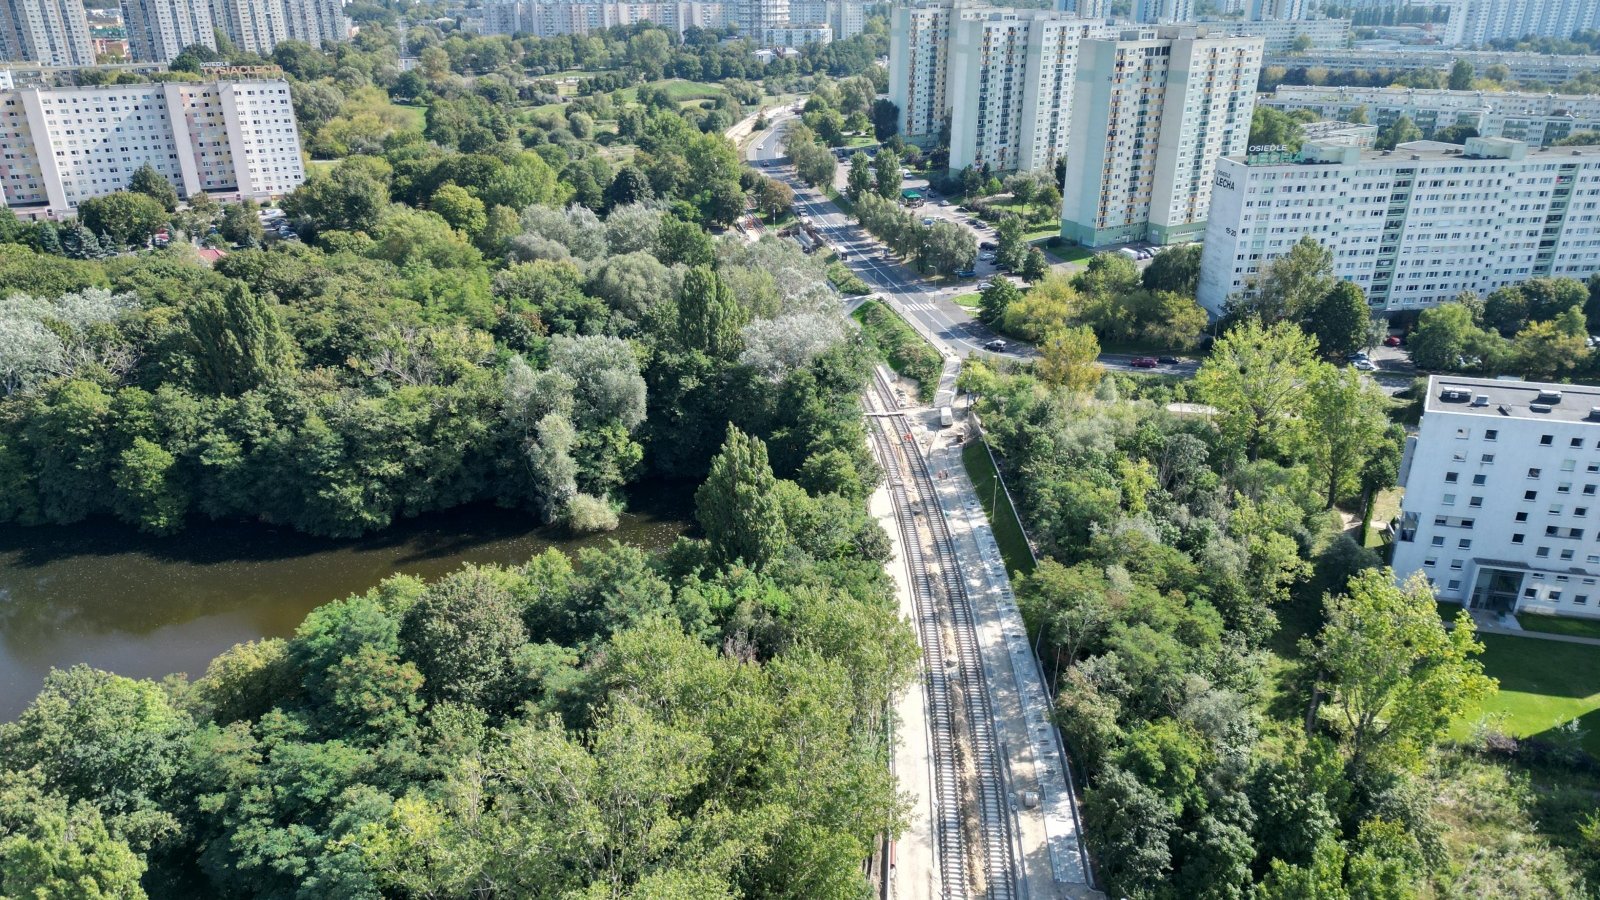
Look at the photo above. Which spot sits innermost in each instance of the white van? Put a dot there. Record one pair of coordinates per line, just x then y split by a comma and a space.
947, 417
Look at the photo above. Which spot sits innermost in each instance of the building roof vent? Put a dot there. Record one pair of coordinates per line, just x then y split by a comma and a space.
1594, 412
1480, 400
1549, 396
1454, 395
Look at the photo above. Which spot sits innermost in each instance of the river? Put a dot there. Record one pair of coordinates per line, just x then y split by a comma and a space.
145, 607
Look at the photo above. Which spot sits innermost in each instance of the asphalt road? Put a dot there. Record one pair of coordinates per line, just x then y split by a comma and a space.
931, 304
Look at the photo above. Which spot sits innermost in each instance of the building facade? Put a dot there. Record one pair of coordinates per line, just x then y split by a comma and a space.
1502, 489
797, 35
260, 25
1526, 67
158, 30
919, 50
1152, 12
1412, 227
47, 32
1153, 111
1536, 119
1281, 35
234, 139
548, 19
1475, 23
1009, 86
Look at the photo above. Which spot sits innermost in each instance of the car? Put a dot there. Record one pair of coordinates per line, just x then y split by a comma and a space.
967, 273
1392, 341
1168, 360
988, 245
1356, 356
995, 346
1144, 362
1145, 254
984, 285
1364, 365
927, 220
944, 202
975, 223
961, 209
986, 256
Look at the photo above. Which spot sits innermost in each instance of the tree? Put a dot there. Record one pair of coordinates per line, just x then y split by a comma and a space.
1069, 357
465, 634
1175, 269
1346, 420
628, 186
994, 300
350, 198
947, 248
1047, 202
1339, 321
1134, 828
885, 119
709, 317
1035, 267
1012, 248
1461, 76
1289, 285
886, 172
861, 179
241, 224
1176, 321
464, 212
1274, 127
52, 848
738, 505
1394, 675
127, 218
1400, 131
146, 180
1446, 334
1257, 378
1546, 351
773, 197
235, 340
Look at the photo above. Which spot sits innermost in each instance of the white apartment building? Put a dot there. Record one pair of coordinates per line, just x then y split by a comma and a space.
919, 50
47, 32
1502, 490
847, 18
1347, 134
1526, 67
234, 139
260, 25
1280, 35
1269, 10
316, 22
1084, 9
1009, 86
754, 17
1152, 12
1474, 23
1413, 227
1153, 111
796, 35
544, 18
1536, 119
158, 30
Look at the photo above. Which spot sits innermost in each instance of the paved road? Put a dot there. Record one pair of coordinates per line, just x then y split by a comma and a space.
932, 305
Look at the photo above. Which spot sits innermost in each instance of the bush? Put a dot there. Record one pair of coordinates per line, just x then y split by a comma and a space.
587, 514
903, 349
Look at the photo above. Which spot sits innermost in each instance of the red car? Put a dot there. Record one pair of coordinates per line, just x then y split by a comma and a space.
1391, 341
1144, 362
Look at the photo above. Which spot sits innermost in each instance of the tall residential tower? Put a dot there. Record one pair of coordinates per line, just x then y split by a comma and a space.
47, 32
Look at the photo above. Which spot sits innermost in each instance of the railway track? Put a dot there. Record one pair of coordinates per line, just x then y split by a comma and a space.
972, 828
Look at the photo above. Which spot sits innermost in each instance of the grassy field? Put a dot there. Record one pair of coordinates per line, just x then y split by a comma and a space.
1002, 518
1589, 628
969, 301
1542, 684
1065, 253
678, 89
417, 114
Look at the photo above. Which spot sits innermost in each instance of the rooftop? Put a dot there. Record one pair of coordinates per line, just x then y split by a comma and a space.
1537, 400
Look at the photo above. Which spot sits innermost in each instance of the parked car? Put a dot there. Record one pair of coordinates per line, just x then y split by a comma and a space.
1392, 341
995, 346
984, 285
988, 245
927, 220
1168, 360
1364, 365
1144, 362
1356, 356
967, 273
986, 256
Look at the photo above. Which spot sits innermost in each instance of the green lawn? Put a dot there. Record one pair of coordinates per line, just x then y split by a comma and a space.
1066, 252
417, 114
1002, 518
1589, 628
969, 301
1542, 684
678, 89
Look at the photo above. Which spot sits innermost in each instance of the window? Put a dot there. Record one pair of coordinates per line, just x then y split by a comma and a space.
1438, 540
1575, 442
1580, 511
1491, 434
1457, 563
1588, 490
1522, 517
1530, 495
1462, 434
1441, 520
1555, 509
1550, 531
1448, 500
1475, 502
1542, 553
1580, 600
1480, 480
1529, 593
1564, 487
1467, 523
1566, 555
1567, 465
1516, 539
1533, 473
1431, 561
1464, 544
1487, 459
1547, 440
1450, 477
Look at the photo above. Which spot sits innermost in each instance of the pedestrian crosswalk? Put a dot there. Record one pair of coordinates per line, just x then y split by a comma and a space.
919, 307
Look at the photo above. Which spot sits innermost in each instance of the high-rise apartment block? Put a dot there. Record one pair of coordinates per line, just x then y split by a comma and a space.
846, 18
1284, 35
1275, 10
754, 17
47, 32
1543, 68
158, 30
1502, 493
1003, 78
1153, 110
1154, 11
1475, 23
234, 139
1412, 227
547, 18
1537, 119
